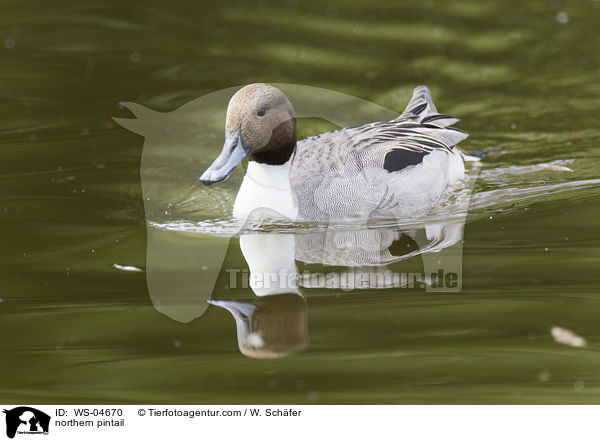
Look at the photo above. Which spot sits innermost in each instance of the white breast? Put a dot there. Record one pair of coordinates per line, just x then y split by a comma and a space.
266, 187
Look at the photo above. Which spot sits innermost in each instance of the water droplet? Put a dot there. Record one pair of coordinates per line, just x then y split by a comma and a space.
438, 31
10, 42
312, 396
562, 17
135, 57
370, 74
543, 376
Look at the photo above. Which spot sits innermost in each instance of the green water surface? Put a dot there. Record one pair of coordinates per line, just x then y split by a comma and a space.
523, 77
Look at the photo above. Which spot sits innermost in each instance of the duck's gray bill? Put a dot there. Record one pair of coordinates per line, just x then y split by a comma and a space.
239, 310
233, 153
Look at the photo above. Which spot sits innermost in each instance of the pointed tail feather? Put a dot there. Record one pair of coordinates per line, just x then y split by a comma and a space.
421, 109
420, 105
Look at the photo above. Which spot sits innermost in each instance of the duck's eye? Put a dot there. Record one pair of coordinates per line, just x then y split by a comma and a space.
261, 111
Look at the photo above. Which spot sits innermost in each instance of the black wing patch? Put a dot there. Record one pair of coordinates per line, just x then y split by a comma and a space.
398, 159
403, 245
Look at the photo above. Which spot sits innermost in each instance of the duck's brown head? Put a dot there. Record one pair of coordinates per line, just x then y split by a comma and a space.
261, 125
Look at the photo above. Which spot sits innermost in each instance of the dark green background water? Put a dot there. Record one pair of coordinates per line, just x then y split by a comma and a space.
524, 77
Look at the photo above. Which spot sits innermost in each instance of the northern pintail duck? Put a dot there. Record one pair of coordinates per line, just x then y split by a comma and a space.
399, 167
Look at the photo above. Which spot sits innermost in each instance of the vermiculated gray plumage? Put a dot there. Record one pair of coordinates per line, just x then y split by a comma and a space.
342, 174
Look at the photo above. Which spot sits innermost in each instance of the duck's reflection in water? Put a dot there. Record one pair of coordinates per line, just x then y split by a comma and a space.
274, 324
269, 327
